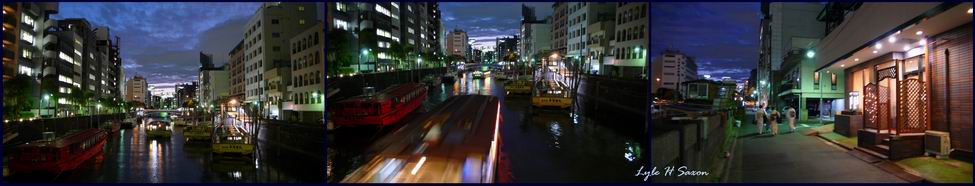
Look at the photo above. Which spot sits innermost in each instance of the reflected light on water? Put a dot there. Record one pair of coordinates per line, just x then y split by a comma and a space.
632, 151
556, 131
154, 161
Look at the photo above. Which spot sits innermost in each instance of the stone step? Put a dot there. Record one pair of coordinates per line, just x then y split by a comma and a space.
872, 152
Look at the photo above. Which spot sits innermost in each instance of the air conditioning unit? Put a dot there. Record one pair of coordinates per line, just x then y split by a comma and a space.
937, 143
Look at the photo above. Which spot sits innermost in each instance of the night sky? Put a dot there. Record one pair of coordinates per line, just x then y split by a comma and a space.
723, 37
486, 21
161, 41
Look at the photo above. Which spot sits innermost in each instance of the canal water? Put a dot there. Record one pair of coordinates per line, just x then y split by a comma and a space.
538, 145
132, 157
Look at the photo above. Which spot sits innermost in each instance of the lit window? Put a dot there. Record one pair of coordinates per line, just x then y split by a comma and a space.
25, 70
29, 21
26, 36
27, 54
301, 8
341, 24
65, 57
383, 10
301, 22
340, 7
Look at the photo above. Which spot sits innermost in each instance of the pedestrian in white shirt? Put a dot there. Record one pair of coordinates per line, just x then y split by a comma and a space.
791, 113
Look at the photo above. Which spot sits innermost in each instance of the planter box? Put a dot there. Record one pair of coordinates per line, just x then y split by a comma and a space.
848, 125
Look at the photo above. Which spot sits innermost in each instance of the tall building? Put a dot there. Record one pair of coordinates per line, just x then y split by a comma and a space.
377, 26
580, 15
236, 73
670, 69
560, 29
911, 62
784, 27
631, 39
185, 94
109, 69
599, 34
137, 89
307, 93
214, 83
535, 35
505, 46
23, 28
267, 52
420, 24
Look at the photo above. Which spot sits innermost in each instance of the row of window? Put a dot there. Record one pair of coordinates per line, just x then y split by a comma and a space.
306, 61
631, 14
307, 98
631, 33
630, 53
304, 43
307, 79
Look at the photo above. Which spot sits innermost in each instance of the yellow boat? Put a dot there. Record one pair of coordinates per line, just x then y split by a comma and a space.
232, 140
200, 133
551, 94
520, 86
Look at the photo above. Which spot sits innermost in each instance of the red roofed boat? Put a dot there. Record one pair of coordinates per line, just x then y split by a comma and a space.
59, 155
382, 108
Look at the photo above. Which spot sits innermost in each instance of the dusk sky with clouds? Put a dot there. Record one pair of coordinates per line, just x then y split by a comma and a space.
489, 20
162, 41
722, 37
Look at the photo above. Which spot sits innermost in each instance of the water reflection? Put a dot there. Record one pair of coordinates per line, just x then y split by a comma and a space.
556, 132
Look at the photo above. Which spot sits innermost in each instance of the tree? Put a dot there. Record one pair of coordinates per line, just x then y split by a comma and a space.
511, 57
401, 52
81, 98
17, 96
341, 53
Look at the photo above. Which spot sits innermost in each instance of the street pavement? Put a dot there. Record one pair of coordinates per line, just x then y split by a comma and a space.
795, 158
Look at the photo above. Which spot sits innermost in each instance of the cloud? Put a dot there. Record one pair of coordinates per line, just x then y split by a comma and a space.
723, 37
489, 19
162, 40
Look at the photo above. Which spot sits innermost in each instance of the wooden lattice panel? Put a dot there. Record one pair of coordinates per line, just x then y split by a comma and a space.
912, 106
883, 108
870, 106
890, 72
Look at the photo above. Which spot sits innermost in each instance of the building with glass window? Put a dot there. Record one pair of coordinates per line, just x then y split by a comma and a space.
267, 56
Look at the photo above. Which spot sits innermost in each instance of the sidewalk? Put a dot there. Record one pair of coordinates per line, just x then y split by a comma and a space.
931, 169
797, 158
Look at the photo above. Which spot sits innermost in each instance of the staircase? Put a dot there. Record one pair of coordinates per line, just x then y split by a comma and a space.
890, 145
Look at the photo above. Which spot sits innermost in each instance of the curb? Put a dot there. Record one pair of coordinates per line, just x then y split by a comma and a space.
837, 143
878, 164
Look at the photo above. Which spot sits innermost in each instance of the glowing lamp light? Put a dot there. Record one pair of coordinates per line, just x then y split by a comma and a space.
810, 54
874, 51
878, 46
892, 39
857, 59
919, 32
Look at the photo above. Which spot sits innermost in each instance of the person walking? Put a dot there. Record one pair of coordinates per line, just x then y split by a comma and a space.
760, 119
774, 121
791, 114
